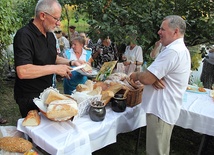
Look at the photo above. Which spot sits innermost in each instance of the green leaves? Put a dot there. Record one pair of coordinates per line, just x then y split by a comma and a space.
9, 22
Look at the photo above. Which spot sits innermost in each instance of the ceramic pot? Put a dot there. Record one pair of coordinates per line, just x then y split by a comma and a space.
97, 111
118, 103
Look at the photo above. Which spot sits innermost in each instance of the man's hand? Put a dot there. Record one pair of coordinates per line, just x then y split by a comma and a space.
159, 84
134, 76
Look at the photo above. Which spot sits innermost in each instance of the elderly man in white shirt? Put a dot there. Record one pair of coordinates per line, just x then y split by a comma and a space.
165, 81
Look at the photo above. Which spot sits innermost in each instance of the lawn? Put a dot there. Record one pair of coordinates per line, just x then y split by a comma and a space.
184, 141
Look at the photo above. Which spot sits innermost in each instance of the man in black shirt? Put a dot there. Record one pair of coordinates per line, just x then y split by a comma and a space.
35, 55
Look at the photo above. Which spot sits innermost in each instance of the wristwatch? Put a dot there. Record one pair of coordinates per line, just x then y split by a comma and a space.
70, 62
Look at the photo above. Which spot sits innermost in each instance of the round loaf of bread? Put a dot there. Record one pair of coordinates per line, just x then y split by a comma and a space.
15, 144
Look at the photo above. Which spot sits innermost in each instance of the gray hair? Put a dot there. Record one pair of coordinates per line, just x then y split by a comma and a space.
80, 39
45, 6
176, 21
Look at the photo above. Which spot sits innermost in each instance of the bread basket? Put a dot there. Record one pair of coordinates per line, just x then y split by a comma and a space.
134, 96
40, 103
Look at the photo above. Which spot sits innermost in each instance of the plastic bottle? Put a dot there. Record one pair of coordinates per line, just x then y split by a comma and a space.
144, 67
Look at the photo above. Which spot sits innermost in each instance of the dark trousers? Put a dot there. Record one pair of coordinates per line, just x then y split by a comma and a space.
25, 105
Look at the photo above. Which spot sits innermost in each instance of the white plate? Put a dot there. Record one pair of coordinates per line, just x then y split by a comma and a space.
89, 74
78, 67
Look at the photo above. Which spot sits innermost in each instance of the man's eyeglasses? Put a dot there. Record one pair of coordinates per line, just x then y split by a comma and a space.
57, 19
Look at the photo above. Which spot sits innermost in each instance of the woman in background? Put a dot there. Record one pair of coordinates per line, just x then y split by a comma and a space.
77, 52
207, 75
88, 42
104, 51
207, 78
133, 55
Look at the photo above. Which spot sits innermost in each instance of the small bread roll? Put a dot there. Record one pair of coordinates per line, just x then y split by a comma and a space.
201, 89
82, 87
15, 144
32, 118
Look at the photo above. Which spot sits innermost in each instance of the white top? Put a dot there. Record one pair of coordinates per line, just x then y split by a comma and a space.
82, 57
136, 54
173, 65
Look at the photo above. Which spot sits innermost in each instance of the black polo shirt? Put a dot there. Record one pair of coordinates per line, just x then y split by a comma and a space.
32, 47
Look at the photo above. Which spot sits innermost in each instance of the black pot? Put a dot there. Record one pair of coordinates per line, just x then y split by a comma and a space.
97, 111
118, 103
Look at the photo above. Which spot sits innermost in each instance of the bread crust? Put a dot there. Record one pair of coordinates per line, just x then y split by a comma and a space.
52, 96
15, 144
61, 111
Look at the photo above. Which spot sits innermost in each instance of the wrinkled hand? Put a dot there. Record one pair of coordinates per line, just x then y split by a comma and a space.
159, 84
63, 70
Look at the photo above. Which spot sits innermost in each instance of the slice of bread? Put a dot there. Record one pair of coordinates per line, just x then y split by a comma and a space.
87, 68
32, 118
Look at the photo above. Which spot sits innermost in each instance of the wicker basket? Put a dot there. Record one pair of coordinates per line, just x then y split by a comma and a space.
134, 97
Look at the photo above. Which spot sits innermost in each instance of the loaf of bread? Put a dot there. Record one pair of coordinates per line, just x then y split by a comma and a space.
15, 144
115, 87
32, 118
101, 84
88, 86
60, 110
107, 95
96, 91
53, 95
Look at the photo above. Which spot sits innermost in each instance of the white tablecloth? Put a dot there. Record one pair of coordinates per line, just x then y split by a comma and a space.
197, 113
59, 138
83, 136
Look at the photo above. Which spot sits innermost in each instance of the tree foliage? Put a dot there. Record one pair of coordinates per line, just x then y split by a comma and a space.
25, 10
118, 17
9, 21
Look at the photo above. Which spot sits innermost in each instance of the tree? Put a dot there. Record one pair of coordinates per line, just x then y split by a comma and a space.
119, 17
9, 24
25, 10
